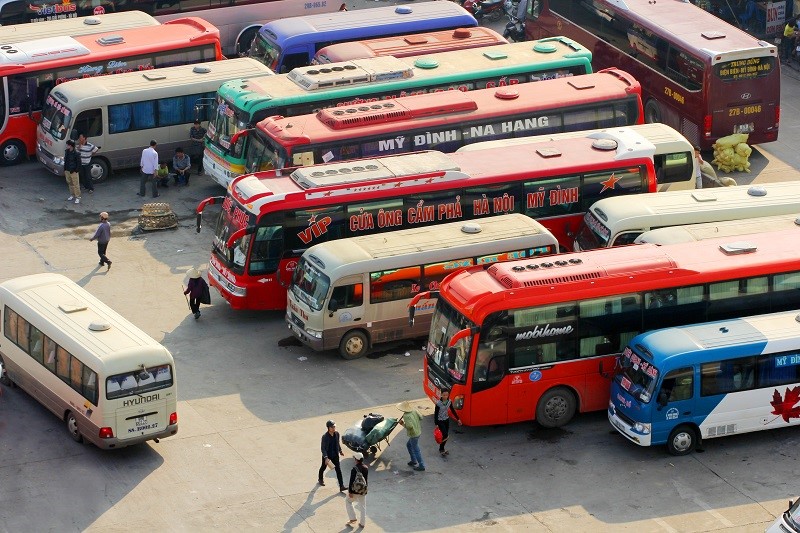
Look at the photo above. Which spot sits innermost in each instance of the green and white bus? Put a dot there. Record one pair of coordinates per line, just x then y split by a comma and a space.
111, 383
242, 103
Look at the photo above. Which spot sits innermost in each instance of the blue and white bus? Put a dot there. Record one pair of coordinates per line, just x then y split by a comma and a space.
293, 42
677, 386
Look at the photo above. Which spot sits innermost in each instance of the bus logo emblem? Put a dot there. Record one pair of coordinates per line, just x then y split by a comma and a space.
536, 375
672, 414
746, 96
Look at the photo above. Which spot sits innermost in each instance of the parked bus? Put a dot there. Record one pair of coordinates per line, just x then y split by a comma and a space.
617, 223
269, 218
352, 294
409, 45
33, 68
241, 104
528, 340
73, 27
292, 42
237, 20
715, 230
107, 380
678, 386
700, 75
122, 113
446, 121
673, 158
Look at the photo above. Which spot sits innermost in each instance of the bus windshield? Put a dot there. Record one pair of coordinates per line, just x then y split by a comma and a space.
638, 376
56, 118
226, 122
139, 381
445, 323
262, 155
265, 51
593, 234
310, 285
231, 219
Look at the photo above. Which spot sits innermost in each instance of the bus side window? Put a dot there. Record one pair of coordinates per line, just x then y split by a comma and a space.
677, 385
50, 348
36, 344
62, 364
626, 238
294, 60
23, 328
10, 324
348, 295
89, 122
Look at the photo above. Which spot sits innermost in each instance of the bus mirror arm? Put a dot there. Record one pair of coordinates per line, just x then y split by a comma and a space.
238, 234
202, 205
412, 305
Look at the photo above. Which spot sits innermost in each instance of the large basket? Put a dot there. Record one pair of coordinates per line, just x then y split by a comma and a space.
157, 216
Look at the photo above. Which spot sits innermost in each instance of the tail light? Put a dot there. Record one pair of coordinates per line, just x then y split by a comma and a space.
173, 419
777, 115
106, 433
707, 126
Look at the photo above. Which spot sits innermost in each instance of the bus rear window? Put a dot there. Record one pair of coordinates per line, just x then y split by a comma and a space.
139, 381
745, 69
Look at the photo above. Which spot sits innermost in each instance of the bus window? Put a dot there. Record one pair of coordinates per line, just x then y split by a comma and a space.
22, 334
267, 249
294, 60
62, 364
722, 377
10, 324
37, 340
50, 348
774, 371
90, 123
398, 284
347, 296
677, 385
727, 297
626, 238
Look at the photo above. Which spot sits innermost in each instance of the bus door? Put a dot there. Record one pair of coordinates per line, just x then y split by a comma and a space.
674, 403
345, 309
490, 382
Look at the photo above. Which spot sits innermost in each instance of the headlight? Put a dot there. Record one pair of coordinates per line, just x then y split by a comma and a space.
642, 429
458, 402
314, 333
58, 160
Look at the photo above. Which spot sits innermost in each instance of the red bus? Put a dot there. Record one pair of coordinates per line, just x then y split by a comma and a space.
409, 45
446, 121
268, 219
31, 69
538, 340
699, 74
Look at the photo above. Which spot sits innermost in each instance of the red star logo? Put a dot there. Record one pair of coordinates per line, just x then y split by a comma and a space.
328, 193
609, 183
312, 219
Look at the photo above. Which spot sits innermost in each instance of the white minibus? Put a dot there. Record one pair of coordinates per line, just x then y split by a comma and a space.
620, 220
122, 113
354, 293
111, 383
674, 156
714, 230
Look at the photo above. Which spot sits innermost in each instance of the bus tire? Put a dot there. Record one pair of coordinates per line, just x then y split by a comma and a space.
353, 345
681, 440
72, 427
99, 170
652, 112
556, 407
13, 152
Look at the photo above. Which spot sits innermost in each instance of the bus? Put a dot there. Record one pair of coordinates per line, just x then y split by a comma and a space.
678, 386
267, 219
122, 113
237, 20
292, 42
699, 75
31, 69
352, 294
609, 223
446, 121
241, 104
715, 230
409, 45
538, 340
107, 380
74, 27
673, 158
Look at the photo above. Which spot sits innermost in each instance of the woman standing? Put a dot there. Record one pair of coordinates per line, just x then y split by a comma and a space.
196, 287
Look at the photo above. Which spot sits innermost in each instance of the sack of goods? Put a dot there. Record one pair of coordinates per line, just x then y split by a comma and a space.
732, 153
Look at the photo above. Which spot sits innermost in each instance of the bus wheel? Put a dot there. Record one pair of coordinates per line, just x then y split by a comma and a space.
556, 408
681, 440
99, 170
652, 112
353, 345
72, 427
13, 153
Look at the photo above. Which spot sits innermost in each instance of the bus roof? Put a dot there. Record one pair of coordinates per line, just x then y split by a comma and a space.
383, 175
406, 45
133, 86
713, 230
455, 106
75, 26
28, 55
301, 84
289, 29
85, 324
426, 244
697, 31
587, 274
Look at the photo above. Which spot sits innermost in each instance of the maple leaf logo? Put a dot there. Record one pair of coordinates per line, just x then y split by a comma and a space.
786, 406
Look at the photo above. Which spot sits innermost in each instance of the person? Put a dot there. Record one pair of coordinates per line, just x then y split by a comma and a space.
357, 494
162, 175
102, 235
441, 415
197, 134
86, 151
331, 450
412, 421
788, 41
195, 288
149, 167
72, 166
181, 164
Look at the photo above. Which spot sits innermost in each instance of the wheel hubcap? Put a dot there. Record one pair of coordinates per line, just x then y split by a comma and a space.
556, 407
682, 441
354, 346
11, 152
73, 425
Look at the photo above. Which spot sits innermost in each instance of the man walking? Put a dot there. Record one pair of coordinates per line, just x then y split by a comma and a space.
197, 134
331, 450
86, 151
72, 166
149, 167
412, 421
102, 235
357, 492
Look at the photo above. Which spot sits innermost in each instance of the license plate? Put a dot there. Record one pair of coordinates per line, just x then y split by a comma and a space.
744, 128
434, 389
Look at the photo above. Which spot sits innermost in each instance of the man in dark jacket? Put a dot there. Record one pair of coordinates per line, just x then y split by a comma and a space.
331, 450
72, 166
